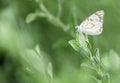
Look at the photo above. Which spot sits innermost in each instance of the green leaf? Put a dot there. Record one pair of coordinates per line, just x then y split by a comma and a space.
96, 56
81, 38
50, 72
75, 45
37, 49
33, 16
88, 66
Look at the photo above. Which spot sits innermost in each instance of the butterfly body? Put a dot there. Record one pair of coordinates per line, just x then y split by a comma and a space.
93, 25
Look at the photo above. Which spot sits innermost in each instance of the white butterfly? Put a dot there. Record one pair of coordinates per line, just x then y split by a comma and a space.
93, 25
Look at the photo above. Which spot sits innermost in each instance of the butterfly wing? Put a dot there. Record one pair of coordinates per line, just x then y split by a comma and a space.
93, 24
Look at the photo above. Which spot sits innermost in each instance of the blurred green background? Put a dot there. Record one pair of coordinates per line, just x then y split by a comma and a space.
26, 23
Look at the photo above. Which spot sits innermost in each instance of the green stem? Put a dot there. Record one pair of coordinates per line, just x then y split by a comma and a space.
52, 19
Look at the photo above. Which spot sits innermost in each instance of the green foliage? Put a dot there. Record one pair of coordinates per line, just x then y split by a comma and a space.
94, 61
37, 37
75, 45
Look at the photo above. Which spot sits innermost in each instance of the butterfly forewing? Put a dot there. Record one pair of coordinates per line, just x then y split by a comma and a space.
93, 24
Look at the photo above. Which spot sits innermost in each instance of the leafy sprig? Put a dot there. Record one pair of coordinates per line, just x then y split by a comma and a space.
82, 45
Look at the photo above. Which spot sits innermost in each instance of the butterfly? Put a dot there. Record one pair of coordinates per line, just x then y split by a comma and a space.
93, 25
